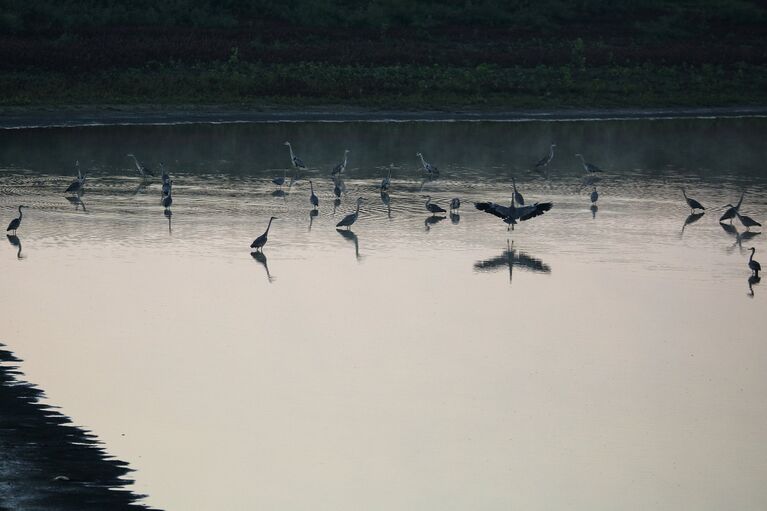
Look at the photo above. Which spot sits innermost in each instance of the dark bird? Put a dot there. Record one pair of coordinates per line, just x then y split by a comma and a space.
732, 211
588, 167
341, 167
349, 219
16, 222
594, 196
16, 242
519, 213
510, 220
77, 185
428, 167
386, 181
455, 204
261, 258
295, 160
167, 200
747, 221
694, 217
259, 242
544, 162
312, 197
433, 208
517, 196
753, 264
692, 203
141, 168
279, 181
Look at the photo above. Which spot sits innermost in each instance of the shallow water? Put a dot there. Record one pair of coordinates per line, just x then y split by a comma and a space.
617, 363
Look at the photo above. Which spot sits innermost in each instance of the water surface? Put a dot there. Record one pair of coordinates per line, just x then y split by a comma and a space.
586, 360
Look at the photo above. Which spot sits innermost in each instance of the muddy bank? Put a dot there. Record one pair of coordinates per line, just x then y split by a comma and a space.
46, 462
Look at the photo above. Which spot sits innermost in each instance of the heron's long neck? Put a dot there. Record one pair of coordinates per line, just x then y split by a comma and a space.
290, 148
423, 162
79, 176
357, 211
346, 158
684, 193
752, 255
20, 213
428, 200
741, 200
311, 186
551, 152
268, 227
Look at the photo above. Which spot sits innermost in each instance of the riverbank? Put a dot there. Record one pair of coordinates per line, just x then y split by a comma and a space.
86, 115
46, 462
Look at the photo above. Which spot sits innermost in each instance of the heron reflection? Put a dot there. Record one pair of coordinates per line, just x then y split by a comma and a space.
77, 201
349, 235
753, 279
16, 242
455, 218
261, 258
169, 215
691, 219
312, 214
740, 237
432, 220
509, 259
386, 200
594, 208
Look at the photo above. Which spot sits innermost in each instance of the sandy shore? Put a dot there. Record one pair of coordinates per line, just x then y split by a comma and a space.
39, 117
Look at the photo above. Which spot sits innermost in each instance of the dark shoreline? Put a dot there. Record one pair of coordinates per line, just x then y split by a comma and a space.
40, 117
48, 463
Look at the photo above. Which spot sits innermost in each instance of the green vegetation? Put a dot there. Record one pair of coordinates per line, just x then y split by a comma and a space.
393, 54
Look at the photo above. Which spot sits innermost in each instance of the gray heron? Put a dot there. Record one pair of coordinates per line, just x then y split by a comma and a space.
167, 200
140, 168
594, 196
349, 219
433, 208
518, 213
753, 264
259, 242
747, 221
588, 167
279, 181
16, 222
164, 174
77, 185
295, 160
732, 211
428, 167
455, 204
516, 195
312, 197
386, 181
341, 167
544, 162
692, 203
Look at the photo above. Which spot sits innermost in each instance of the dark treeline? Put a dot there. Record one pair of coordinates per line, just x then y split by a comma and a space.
397, 53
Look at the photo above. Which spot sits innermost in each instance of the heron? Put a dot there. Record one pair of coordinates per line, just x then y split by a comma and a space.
732, 211
517, 196
259, 242
312, 197
166, 186
455, 204
594, 196
433, 208
753, 264
692, 203
386, 181
518, 213
164, 174
295, 160
167, 200
77, 185
16, 222
341, 167
279, 181
510, 220
588, 167
140, 168
544, 162
428, 167
349, 219
747, 221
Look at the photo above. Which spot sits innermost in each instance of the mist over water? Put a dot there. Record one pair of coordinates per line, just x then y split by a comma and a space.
591, 358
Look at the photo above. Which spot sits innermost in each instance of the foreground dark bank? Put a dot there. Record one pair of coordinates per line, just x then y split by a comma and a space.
45, 461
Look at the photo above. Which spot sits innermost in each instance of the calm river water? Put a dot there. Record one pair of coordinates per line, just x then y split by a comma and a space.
608, 359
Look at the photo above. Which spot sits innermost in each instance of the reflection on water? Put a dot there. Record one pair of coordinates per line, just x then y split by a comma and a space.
414, 380
691, 219
752, 280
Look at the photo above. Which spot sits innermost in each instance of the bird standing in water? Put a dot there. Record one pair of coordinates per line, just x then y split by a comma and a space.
544, 162
312, 197
428, 167
341, 167
16, 222
349, 219
433, 208
259, 242
295, 160
692, 203
753, 265
588, 167
455, 204
594, 196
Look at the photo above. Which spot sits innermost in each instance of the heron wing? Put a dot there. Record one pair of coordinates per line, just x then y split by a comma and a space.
535, 210
493, 209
